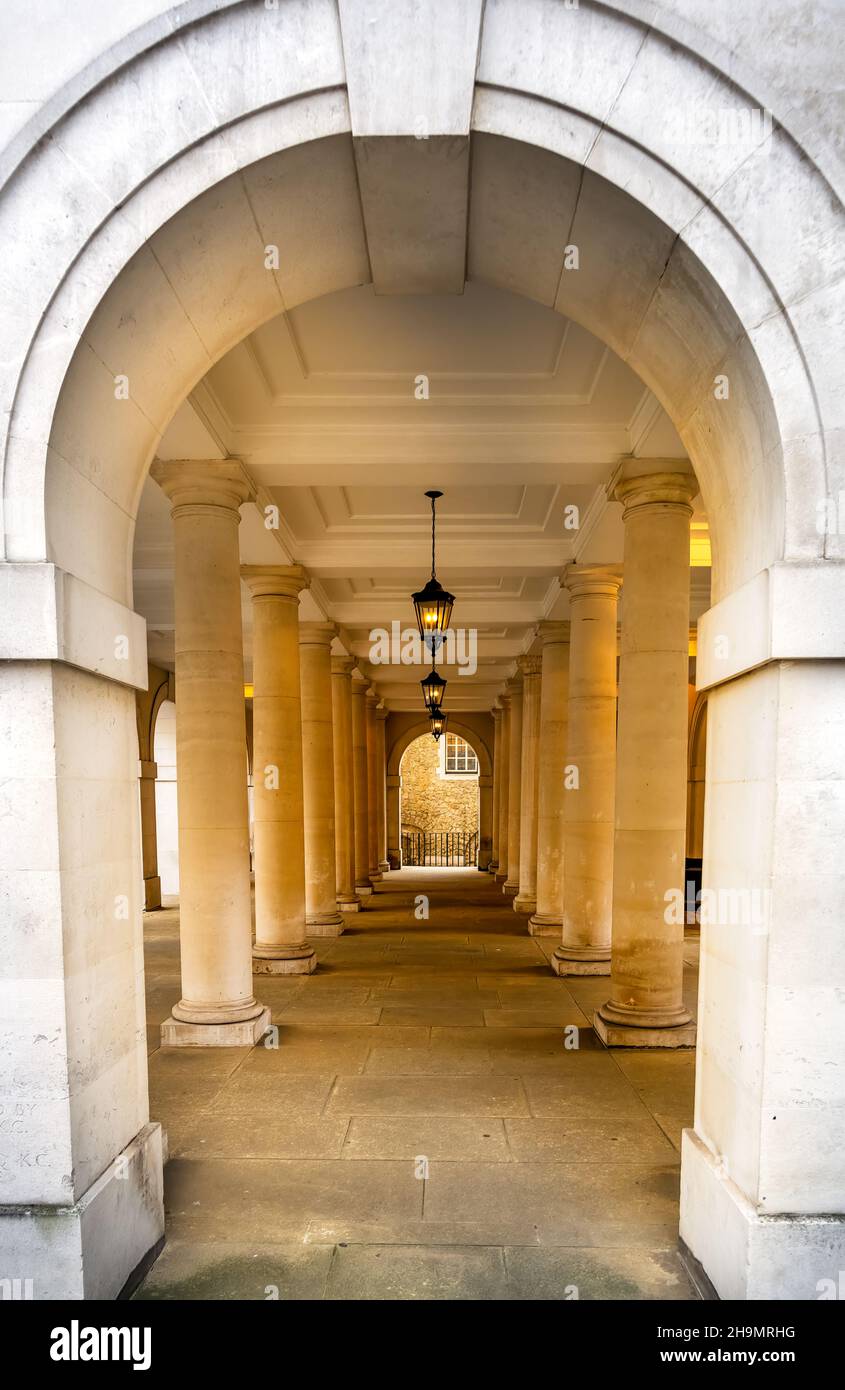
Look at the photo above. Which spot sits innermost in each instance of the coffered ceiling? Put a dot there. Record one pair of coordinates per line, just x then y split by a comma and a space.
347, 408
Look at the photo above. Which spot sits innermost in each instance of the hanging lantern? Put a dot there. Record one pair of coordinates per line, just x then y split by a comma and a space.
433, 689
432, 604
438, 723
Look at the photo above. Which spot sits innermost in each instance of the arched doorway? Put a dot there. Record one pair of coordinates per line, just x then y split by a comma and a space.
405, 731
113, 324
439, 802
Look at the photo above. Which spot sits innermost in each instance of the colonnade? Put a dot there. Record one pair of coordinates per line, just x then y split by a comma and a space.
588, 806
318, 769
590, 785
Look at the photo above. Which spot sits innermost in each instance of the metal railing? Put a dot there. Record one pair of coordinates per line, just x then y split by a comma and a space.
453, 849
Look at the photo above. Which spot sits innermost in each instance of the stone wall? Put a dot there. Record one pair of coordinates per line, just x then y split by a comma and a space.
431, 801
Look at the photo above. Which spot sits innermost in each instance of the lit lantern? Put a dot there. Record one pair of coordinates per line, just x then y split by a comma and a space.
433, 605
438, 723
433, 689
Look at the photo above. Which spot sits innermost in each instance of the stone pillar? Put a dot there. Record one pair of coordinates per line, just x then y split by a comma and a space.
344, 783
485, 821
321, 915
381, 790
372, 700
497, 766
646, 1007
532, 671
394, 828
554, 699
217, 1008
149, 842
589, 787
504, 786
281, 947
511, 884
363, 882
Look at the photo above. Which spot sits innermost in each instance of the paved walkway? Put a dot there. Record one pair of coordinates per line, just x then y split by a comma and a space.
421, 1130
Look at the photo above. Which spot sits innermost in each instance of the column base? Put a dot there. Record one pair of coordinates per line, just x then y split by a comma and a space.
375, 876
176, 1032
384, 866
748, 1256
500, 876
394, 859
509, 889
324, 924
543, 924
619, 1027
493, 867
102, 1245
283, 960
572, 960
522, 903
152, 893
352, 904
364, 890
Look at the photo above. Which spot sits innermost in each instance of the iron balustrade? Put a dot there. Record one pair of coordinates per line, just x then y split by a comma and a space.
452, 849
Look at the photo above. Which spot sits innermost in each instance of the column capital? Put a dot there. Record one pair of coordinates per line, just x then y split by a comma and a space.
343, 665
552, 632
316, 634
203, 482
373, 697
530, 665
382, 712
275, 581
592, 581
653, 482
514, 685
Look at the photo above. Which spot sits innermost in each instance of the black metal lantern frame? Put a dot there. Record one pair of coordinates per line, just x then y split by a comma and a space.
432, 603
433, 689
438, 723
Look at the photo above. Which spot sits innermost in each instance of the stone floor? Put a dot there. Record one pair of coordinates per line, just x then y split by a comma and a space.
421, 1130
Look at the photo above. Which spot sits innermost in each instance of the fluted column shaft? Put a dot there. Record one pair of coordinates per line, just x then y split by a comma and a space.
217, 1007
589, 782
532, 676
321, 915
344, 783
363, 882
281, 947
646, 1005
511, 884
554, 717
504, 787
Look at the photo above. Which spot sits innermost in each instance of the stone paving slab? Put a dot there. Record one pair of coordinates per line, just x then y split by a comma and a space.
421, 1130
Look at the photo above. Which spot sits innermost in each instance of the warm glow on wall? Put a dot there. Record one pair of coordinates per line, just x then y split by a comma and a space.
249, 691
699, 544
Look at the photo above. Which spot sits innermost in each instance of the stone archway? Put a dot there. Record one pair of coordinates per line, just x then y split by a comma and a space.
485, 788
110, 324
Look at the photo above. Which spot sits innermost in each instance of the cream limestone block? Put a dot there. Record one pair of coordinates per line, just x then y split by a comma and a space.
497, 760
589, 773
381, 789
363, 882
373, 870
504, 787
321, 915
547, 920
532, 669
510, 887
646, 1007
218, 1007
281, 947
347, 898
